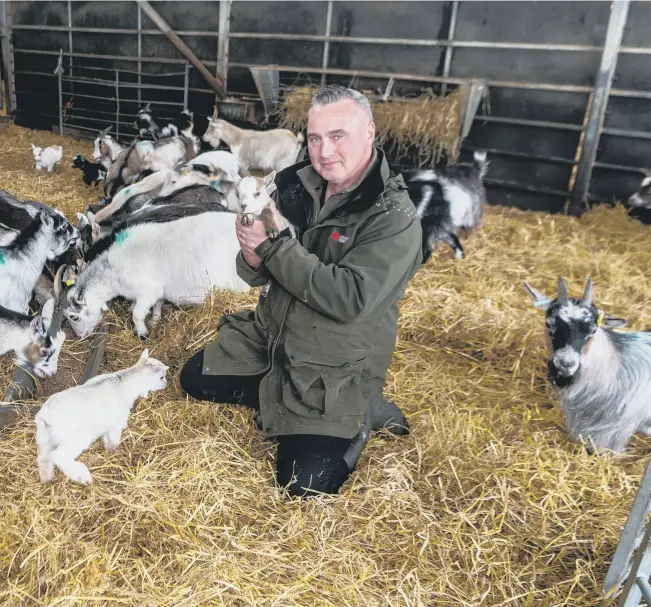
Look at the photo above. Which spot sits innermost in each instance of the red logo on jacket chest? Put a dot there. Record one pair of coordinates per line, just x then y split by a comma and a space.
337, 237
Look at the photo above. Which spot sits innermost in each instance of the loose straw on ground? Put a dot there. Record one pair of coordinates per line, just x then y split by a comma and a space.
486, 503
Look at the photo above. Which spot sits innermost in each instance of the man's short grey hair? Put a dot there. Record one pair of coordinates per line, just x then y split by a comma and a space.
331, 93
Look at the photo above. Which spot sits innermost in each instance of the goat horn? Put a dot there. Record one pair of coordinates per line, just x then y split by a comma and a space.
215, 112
587, 294
57, 280
60, 295
562, 290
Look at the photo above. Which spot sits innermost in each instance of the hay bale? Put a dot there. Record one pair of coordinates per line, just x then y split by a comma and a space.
486, 503
429, 123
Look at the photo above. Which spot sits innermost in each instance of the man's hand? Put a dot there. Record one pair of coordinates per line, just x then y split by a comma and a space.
250, 237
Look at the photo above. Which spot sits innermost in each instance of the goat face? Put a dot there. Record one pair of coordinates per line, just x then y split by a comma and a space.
571, 327
254, 194
153, 373
214, 132
42, 354
78, 161
82, 315
642, 198
62, 234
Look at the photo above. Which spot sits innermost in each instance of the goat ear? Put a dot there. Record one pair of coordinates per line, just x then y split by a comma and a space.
610, 322
47, 312
234, 176
144, 356
562, 290
36, 326
269, 182
83, 220
540, 300
33, 146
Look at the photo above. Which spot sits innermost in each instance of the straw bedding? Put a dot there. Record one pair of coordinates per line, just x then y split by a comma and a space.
486, 503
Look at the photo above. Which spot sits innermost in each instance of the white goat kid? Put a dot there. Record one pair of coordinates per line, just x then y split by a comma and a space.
179, 261
71, 421
47, 158
275, 149
254, 195
604, 376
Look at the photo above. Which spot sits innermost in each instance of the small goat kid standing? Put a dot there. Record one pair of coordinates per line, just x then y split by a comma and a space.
604, 376
71, 421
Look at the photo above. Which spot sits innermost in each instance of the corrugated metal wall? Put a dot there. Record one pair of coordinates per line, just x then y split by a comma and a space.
538, 94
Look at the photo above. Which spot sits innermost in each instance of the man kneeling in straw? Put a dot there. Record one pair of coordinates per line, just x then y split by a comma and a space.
312, 357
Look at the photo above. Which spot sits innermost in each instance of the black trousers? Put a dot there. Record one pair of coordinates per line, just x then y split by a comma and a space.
306, 464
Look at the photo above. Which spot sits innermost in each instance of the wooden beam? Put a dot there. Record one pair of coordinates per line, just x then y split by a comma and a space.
215, 82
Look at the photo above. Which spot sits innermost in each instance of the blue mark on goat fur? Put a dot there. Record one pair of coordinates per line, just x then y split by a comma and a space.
2, 259
121, 236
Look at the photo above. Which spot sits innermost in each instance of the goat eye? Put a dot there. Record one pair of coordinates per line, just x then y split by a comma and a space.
256, 194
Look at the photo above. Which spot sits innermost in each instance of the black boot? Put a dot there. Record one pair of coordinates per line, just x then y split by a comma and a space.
386, 414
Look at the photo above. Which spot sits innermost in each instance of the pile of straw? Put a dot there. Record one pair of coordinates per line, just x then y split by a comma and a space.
428, 123
487, 502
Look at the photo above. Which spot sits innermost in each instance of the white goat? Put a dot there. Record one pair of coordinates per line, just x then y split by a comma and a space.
47, 158
270, 150
254, 195
71, 421
36, 341
178, 261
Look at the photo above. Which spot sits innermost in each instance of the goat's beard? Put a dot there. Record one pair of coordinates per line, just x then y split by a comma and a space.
557, 379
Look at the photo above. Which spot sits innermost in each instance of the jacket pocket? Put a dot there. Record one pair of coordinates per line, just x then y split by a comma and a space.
320, 384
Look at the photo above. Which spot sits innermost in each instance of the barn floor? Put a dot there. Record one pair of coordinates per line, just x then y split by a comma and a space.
486, 503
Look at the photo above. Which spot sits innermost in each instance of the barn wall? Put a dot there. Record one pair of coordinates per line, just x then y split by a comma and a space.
531, 159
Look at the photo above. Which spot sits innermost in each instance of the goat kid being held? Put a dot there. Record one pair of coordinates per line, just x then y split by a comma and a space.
254, 195
604, 376
72, 420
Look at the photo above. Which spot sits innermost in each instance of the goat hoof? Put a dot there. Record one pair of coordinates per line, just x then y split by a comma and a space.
272, 234
142, 336
247, 220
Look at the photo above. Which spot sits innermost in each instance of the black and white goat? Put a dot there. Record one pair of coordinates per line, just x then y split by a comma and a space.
153, 127
148, 263
94, 172
448, 200
21, 262
36, 341
642, 197
604, 376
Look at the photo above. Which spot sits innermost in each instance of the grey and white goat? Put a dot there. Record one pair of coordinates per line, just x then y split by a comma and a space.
270, 150
178, 261
106, 149
22, 262
36, 341
448, 200
604, 376
211, 169
72, 420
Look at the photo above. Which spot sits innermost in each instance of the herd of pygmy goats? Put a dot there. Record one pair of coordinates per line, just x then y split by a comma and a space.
166, 206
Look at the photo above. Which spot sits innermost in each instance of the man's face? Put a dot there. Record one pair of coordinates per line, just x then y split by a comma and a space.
339, 141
